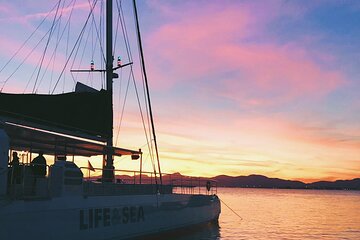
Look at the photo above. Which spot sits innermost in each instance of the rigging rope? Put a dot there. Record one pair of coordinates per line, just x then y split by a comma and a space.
123, 108
53, 56
77, 41
73, 61
21, 47
127, 45
142, 118
83, 52
47, 44
142, 61
102, 32
31, 77
102, 52
32, 50
119, 104
116, 33
231, 209
57, 41
23, 61
67, 43
56, 26
124, 30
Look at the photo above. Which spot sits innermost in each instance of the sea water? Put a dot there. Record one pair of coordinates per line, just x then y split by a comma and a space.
283, 214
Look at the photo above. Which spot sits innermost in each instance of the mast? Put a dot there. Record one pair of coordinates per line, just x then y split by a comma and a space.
109, 87
147, 88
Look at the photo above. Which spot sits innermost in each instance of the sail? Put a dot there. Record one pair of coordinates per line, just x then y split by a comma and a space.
84, 112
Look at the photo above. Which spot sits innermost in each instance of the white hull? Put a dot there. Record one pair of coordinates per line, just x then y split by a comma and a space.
104, 217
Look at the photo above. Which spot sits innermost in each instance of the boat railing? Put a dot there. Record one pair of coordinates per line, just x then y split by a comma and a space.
137, 182
24, 183
194, 185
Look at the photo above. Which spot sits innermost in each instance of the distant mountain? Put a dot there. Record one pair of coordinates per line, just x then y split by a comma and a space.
259, 181
339, 184
251, 181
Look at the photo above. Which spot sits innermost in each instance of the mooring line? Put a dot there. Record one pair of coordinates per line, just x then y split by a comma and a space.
231, 209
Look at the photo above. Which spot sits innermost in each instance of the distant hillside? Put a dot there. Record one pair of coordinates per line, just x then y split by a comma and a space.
339, 184
259, 181
251, 181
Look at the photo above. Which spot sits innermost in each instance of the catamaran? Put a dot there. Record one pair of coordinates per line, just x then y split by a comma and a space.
67, 202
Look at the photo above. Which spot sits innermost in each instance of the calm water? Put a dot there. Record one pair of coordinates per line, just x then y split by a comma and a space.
284, 214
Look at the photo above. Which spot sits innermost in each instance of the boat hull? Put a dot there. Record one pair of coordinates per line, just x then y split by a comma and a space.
104, 217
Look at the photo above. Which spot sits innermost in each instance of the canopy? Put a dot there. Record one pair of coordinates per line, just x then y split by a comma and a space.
23, 138
77, 112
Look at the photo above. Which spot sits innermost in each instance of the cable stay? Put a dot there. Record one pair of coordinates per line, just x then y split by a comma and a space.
147, 87
30, 36
91, 36
72, 51
47, 44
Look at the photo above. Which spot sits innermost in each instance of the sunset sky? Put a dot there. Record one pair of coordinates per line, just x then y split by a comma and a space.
238, 87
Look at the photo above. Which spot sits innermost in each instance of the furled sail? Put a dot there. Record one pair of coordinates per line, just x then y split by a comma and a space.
84, 111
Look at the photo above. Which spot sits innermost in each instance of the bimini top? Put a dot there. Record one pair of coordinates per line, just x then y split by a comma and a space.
24, 138
82, 112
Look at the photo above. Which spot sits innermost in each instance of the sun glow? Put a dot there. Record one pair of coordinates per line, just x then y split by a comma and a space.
238, 87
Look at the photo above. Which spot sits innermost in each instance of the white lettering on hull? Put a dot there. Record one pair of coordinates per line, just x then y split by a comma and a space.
105, 217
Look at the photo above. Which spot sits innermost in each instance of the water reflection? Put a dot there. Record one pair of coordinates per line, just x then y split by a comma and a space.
210, 231
274, 214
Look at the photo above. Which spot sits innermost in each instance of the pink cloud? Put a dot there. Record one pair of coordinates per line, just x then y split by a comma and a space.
13, 15
10, 46
5, 9
186, 47
11, 42
280, 72
214, 42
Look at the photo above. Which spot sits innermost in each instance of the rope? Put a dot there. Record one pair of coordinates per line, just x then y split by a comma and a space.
21, 47
58, 41
84, 49
101, 40
67, 44
231, 209
23, 61
129, 55
74, 59
76, 43
142, 118
151, 147
123, 108
142, 63
124, 30
116, 33
47, 45
32, 75
27, 56
119, 104
97, 33
53, 56
53, 59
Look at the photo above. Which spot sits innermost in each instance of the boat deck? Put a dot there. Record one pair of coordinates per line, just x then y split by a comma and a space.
29, 187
